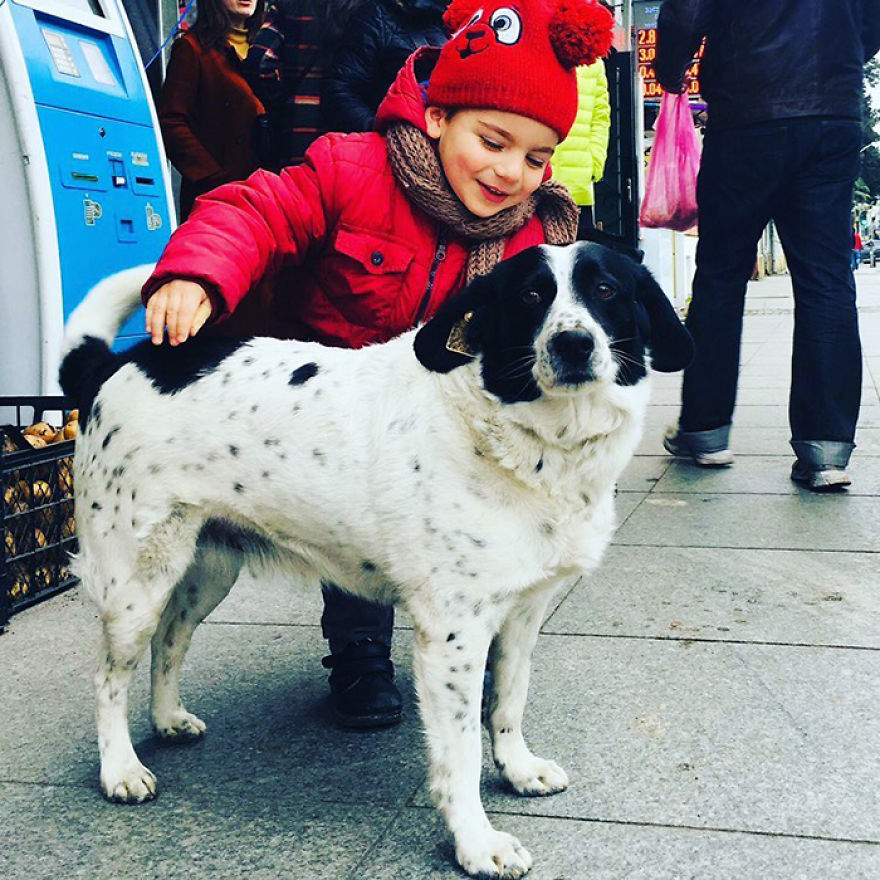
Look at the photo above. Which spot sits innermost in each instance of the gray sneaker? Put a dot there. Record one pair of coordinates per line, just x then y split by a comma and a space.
826, 478
678, 444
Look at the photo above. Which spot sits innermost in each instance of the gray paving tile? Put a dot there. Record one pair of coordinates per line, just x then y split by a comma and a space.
565, 849
779, 596
753, 415
626, 503
643, 472
761, 416
55, 831
802, 522
743, 441
765, 739
773, 391
760, 474
260, 689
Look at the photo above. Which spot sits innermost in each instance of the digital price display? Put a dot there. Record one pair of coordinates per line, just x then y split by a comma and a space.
652, 91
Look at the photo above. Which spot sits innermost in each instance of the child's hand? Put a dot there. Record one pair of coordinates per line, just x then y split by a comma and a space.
182, 306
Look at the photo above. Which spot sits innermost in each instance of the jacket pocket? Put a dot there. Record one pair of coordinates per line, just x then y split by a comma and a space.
375, 254
364, 275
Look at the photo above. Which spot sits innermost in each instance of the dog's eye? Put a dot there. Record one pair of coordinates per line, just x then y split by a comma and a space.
530, 297
605, 291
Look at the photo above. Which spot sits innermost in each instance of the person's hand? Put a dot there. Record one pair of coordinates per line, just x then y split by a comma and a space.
181, 306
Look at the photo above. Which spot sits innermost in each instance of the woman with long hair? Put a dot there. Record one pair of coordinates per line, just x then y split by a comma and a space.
207, 110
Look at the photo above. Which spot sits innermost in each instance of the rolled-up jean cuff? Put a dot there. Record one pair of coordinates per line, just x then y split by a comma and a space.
823, 453
714, 440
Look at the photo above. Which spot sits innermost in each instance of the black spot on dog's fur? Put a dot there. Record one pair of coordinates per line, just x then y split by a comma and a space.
219, 533
366, 565
169, 368
302, 374
109, 437
173, 368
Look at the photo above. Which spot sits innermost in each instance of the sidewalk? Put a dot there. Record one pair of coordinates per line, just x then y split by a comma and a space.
713, 693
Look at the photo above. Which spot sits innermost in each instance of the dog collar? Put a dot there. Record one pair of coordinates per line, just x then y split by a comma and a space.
457, 341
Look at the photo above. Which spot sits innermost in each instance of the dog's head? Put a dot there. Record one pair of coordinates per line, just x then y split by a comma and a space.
552, 319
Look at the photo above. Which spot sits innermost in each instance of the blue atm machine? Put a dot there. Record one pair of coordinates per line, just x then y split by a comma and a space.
84, 185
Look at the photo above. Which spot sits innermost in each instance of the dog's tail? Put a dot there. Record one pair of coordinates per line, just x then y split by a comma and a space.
86, 358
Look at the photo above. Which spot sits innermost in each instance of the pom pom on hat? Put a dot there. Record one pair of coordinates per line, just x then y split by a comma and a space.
519, 56
581, 32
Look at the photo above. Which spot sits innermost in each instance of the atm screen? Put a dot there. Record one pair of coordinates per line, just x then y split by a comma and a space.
92, 6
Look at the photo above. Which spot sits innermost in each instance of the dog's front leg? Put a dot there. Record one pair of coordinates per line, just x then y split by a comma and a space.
511, 660
449, 659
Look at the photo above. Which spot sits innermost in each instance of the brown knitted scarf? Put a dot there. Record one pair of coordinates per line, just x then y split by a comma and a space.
417, 168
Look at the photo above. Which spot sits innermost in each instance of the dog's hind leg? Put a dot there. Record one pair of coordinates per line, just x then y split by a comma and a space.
449, 658
206, 583
131, 593
512, 653
128, 623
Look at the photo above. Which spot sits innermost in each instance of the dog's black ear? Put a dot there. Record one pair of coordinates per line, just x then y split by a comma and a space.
672, 348
449, 339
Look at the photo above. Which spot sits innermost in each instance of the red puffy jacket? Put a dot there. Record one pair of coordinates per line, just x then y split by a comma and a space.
370, 265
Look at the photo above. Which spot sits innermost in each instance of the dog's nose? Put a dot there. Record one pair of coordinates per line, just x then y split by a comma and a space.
571, 353
573, 345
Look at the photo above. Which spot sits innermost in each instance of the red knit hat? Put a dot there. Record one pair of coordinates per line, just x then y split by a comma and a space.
519, 56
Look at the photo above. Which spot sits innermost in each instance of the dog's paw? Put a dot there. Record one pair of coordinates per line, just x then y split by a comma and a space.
494, 855
179, 726
536, 777
136, 785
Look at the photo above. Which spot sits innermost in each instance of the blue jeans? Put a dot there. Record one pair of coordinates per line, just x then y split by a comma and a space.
799, 173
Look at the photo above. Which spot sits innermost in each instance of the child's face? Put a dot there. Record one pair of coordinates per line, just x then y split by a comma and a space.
493, 160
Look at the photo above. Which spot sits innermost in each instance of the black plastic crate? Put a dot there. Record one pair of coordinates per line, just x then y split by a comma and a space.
36, 506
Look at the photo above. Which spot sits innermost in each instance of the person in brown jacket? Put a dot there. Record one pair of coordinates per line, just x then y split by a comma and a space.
207, 111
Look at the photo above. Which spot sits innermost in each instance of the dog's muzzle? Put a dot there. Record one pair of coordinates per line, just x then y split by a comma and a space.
571, 356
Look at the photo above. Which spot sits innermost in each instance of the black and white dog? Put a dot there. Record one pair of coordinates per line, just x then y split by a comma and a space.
465, 470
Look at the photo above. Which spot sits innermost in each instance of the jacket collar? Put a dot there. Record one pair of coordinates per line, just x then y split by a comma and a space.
405, 101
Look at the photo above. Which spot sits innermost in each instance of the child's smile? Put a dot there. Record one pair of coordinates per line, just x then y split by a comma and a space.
492, 159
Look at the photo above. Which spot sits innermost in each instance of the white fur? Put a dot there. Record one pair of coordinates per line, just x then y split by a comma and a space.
468, 512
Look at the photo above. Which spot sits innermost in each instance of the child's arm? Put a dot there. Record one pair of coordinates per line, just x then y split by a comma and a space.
236, 235
180, 305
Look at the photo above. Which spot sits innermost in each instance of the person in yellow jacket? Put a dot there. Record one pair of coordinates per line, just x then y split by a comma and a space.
579, 161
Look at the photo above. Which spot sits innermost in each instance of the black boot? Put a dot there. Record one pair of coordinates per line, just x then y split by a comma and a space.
362, 686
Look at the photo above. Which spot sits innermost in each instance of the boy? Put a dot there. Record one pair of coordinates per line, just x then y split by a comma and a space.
384, 226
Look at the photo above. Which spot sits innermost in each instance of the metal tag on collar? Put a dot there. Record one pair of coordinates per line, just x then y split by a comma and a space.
457, 342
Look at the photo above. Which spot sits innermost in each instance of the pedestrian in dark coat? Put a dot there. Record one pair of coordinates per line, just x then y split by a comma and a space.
361, 66
285, 67
783, 83
207, 110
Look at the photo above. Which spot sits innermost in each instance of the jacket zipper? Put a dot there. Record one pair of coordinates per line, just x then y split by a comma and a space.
439, 257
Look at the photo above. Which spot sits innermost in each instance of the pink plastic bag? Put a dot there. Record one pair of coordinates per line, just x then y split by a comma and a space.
671, 181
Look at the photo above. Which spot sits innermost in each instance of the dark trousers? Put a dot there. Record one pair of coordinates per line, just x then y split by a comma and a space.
348, 619
800, 173
585, 222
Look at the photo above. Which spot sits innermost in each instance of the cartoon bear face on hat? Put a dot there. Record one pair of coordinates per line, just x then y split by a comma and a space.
503, 25
519, 56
